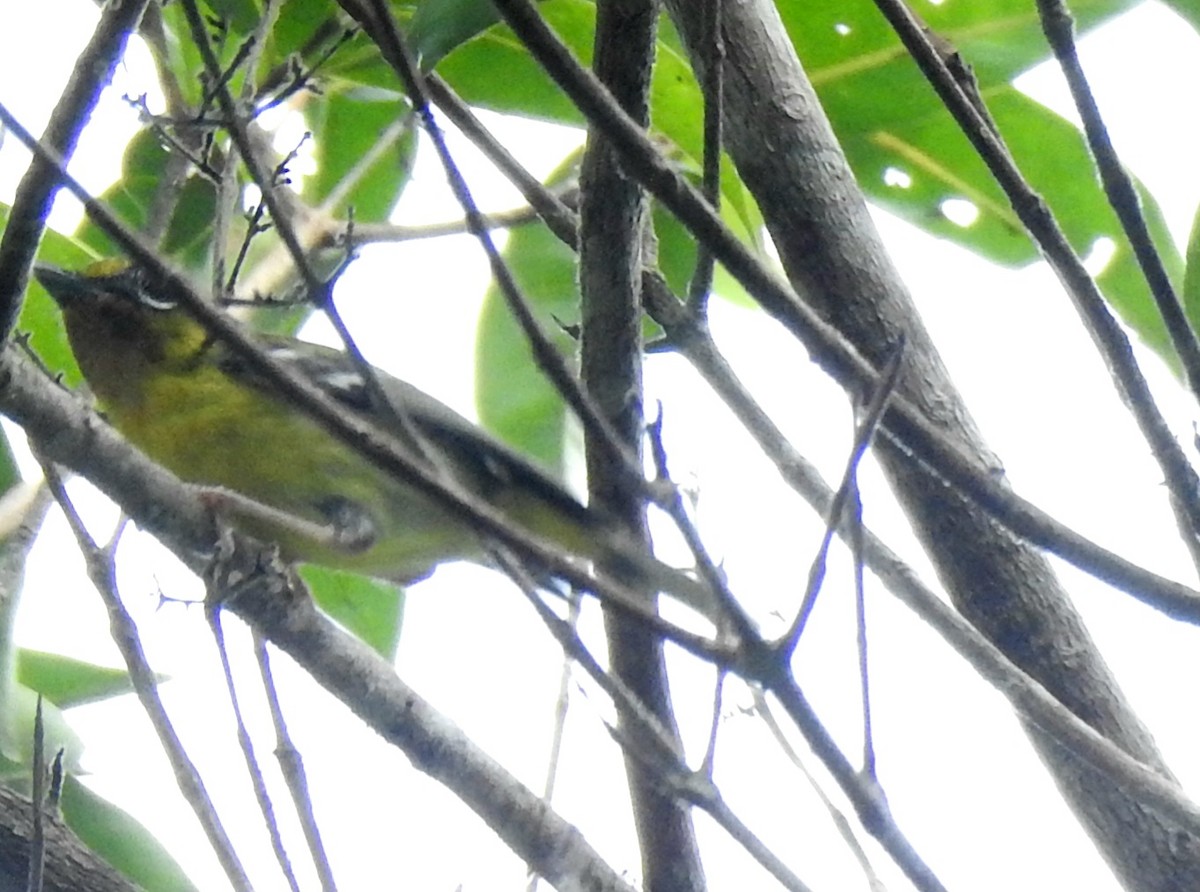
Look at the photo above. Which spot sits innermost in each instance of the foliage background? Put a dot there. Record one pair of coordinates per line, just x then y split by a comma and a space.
1026, 372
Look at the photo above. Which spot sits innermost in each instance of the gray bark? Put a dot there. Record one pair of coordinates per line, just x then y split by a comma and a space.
612, 225
788, 156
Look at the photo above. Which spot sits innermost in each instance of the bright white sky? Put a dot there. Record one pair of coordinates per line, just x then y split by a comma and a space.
962, 781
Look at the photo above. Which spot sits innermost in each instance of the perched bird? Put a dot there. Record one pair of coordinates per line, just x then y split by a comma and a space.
195, 407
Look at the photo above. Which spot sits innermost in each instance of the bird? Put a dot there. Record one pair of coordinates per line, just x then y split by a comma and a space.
196, 407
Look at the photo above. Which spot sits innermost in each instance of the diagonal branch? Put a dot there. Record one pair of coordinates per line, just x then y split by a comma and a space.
786, 152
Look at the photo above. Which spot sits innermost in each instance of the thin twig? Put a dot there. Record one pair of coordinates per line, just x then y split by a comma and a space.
291, 765
1038, 220
855, 537
562, 704
212, 612
559, 217
762, 708
713, 84
391, 233
228, 193
102, 572
710, 750
239, 132
642, 736
863, 435
1119, 187
299, 78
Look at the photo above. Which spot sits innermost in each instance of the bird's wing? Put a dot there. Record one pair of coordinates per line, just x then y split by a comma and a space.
481, 461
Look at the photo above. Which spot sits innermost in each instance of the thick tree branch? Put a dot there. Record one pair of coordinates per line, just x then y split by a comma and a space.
613, 216
787, 154
70, 866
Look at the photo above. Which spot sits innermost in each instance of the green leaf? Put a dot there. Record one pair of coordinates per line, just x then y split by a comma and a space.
145, 168
1188, 9
1191, 281
183, 58
938, 164
473, 66
895, 131
439, 26
120, 840
16, 732
856, 61
299, 22
40, 318
675, 98
514, 398
371, 610
67, 682
228, 24
1124, 285
495, 70
346, 128
240, 15
677, 252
